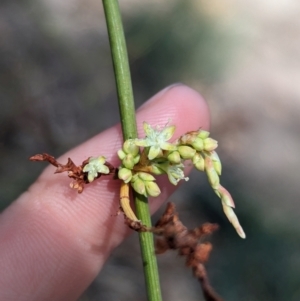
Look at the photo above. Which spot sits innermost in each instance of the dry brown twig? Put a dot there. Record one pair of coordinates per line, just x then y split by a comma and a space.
74, 172
172, 234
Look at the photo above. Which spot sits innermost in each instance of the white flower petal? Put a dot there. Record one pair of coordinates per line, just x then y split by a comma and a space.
142, 142
167, 132
148, 129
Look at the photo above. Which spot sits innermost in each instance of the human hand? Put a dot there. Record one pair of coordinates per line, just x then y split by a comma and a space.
54, 241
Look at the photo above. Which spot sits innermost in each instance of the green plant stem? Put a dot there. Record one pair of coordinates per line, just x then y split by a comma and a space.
128, 122
121, 67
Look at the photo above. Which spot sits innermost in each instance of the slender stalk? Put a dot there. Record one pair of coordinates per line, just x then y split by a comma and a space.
127, 114
121, 67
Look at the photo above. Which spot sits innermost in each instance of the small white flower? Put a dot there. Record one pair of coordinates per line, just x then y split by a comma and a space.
96, 165
156, 139
174, 172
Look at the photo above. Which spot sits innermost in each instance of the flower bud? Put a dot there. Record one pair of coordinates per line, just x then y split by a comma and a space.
174, 157
125, 175
128, 161
156, 170
211, 173
210, 144
203, 134
130, 147
216, 162
188, 138
152, 188
199, 162
186, 152
226, 196
121, 154
139, 186
145, 176
234, 220
217, 192
198, 144
136, 159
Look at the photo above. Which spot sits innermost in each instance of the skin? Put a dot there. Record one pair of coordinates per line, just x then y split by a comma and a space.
55, 241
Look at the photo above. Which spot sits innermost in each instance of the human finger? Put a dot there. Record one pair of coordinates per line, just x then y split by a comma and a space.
53, 240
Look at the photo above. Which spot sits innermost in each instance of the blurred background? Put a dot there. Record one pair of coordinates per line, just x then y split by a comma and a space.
57, 90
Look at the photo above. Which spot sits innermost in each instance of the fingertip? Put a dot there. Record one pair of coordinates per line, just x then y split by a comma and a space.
179, 104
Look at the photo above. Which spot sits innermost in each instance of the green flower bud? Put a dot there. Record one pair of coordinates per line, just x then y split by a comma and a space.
216, 162
234, 220
121, 154
128, 161
125, 175
130, 147
198, 144
145, 176
174, 157
139, 186
210, 144
199, 162
217, 192
186, 152
156, 170
211, 173
152, 188
225, 196
136, 159
203, 134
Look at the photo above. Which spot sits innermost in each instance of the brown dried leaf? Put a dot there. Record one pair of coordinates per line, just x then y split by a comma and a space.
44, 157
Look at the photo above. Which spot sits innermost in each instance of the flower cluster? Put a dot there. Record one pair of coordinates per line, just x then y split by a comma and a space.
206, 159
159, 156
